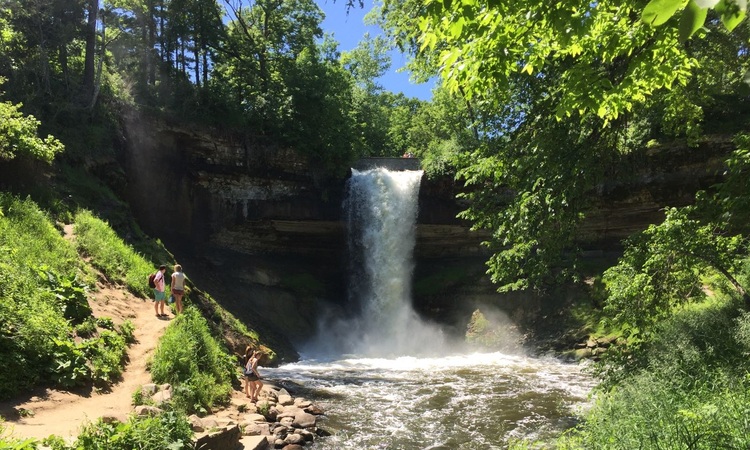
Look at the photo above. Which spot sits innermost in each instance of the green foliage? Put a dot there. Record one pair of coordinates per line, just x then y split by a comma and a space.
127, 331
689, 389
480, 51
38, 306
87, 328
117, 260
264, 409
731, 201
169, 430
100, 359
138, 398
18, 136
694, 13
558, 99
31, 317
71, 295
661, 270
106, 355
192, 360
69, 365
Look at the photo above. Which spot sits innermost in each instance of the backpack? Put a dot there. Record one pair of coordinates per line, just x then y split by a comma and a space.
152, 281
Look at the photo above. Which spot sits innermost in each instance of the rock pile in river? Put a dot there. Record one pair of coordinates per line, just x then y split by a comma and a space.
285, 422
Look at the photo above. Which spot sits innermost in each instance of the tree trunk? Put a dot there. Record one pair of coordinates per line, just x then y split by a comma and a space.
205, 67
196, 68
151, 24
90, 56
63, 60
100, 67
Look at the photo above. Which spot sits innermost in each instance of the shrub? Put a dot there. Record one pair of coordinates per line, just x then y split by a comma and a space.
167, 430
691, 390
106, 354
127, 330
69, 365
87, 328
70, 294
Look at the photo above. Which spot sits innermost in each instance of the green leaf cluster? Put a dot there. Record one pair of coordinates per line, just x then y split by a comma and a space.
694, 13
18, 136
662, 268
687, 388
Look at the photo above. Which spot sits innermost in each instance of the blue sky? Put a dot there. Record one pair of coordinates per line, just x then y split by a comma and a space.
348, 31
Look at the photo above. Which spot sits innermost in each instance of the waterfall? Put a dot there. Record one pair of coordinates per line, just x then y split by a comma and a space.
381, 210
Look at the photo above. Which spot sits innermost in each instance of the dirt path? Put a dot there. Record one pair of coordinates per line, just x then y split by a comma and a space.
62, 413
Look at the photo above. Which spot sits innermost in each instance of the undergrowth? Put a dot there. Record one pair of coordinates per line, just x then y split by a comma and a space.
118, 261
195, 363
689, 388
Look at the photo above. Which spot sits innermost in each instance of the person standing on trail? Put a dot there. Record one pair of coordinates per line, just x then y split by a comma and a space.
159, 296
178, 287
253, 384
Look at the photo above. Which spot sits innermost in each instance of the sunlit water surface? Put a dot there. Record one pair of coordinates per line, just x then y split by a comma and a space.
478, 401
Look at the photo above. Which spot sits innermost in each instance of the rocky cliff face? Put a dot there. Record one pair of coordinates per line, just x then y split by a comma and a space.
262, 231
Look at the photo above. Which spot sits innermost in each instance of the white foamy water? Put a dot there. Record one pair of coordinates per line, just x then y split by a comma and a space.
389, 380
453, 402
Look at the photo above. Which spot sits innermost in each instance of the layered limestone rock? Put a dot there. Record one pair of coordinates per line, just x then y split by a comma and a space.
262, 230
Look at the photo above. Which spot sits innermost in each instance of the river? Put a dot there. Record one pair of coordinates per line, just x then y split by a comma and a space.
471, 401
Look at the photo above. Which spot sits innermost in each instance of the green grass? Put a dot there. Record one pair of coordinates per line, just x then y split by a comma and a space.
118, 261
31, 319
43, 295
192, 360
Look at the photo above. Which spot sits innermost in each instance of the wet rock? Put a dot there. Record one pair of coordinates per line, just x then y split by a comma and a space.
300, 402
303, 420
314, 409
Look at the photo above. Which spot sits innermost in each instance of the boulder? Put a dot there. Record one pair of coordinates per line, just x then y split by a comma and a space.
294, 438
256, 429
222, 439
146, 410
303, 420
285, 399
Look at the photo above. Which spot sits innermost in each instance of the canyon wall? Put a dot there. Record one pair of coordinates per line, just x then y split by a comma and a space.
261, 230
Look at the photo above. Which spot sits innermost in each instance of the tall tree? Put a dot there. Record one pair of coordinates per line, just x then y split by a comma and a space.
558, 93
